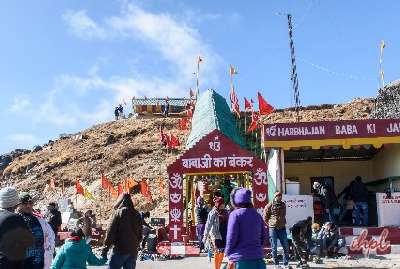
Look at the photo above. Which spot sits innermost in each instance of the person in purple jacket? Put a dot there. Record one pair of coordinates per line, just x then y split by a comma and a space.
246, 233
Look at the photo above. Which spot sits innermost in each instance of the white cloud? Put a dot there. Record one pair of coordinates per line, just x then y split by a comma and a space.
20, 103
82, 26
89, 98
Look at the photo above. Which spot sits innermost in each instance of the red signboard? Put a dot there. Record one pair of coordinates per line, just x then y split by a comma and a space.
332, 130
214, 153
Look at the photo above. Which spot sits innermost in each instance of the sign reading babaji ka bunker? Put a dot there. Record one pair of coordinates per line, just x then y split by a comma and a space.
387, 130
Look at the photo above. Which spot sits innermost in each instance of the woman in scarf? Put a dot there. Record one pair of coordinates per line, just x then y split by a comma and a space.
216, 229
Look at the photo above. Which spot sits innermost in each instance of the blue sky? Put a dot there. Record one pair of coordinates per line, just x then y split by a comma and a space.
66, 64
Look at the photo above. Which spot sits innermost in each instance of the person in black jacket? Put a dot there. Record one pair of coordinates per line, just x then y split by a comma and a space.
301, 239
359, 194
201, 219
15, 237
328, 199
53, 217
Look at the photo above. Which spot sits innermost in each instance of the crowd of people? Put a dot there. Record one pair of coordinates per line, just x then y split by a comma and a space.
350, 207
224, 228
28, 239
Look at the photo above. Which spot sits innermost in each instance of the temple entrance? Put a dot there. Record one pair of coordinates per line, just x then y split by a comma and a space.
214, 164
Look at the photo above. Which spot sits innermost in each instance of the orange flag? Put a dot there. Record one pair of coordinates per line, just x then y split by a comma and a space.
112, 191
130, 183
161, 186
145, 190
78, 187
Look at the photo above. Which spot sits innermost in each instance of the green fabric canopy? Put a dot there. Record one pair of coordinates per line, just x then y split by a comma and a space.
212, 112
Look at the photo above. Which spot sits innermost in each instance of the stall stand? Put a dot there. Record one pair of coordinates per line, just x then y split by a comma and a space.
335, 152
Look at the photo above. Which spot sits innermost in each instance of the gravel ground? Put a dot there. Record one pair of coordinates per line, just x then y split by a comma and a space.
381, 262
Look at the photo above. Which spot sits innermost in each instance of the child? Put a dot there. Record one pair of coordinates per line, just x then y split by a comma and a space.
75, 253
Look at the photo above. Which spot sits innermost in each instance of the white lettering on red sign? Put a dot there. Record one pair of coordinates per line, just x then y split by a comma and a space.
362, 243
394, 127
176, 181
209, 162
176, 214
347, 129
295, 131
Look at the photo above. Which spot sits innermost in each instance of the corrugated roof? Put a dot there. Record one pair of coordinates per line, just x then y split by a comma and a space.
212, 112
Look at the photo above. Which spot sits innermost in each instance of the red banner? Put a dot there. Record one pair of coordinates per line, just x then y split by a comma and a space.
331, 130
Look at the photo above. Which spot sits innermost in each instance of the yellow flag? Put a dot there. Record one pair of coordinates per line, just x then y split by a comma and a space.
88, 195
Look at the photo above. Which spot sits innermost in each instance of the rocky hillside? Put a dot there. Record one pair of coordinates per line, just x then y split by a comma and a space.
359, 108
125, 148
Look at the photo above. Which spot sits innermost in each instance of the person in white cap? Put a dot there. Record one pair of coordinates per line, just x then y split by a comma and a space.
15, 237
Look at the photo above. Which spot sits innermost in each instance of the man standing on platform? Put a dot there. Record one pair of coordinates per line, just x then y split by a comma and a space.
359, 194
275, 217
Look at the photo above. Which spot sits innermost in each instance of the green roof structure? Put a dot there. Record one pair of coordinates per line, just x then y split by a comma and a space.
212, 112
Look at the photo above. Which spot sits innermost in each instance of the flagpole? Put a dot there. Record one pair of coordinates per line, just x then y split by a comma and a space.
198, 77
382, 74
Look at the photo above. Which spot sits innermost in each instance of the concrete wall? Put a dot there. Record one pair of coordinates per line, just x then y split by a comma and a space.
343, 172
385, 164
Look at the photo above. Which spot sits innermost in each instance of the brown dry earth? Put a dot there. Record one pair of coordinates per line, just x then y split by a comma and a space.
127, 148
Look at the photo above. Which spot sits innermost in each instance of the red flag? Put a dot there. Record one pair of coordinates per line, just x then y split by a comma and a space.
183, 123
234, 102
254, 122
172, 141
120, 189
248, 105
162, 135
104, 182
263, 106
78, 187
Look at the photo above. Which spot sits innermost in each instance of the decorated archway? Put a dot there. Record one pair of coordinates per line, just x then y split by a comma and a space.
214, 153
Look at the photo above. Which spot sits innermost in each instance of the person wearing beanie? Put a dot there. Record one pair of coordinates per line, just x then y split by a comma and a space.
216, 229
75, 253
15, 236
246, 233
40, 255
275, 217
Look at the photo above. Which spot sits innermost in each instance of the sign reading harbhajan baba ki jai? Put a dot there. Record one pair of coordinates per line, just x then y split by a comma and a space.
331, 130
